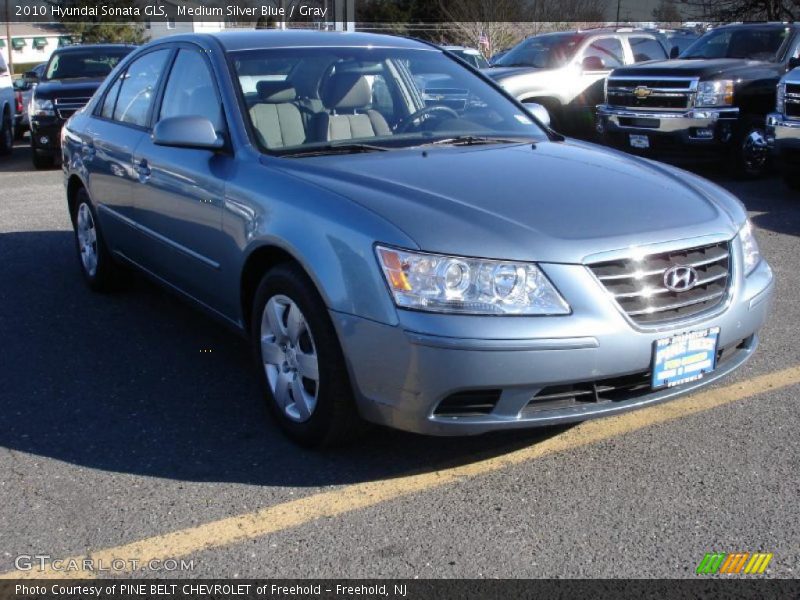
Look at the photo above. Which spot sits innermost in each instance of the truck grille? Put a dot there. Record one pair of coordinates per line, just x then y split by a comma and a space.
66, 107
651, 93
638, 285
792, 100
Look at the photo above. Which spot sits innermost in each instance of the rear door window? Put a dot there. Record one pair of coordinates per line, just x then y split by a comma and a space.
647, 48
609, 50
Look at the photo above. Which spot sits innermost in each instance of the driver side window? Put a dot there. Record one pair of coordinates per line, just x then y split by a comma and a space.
609, 50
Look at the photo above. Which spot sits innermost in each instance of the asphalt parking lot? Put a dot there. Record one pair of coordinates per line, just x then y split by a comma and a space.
131, 427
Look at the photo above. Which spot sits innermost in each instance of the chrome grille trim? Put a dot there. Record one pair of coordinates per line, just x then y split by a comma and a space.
637, 285
667, 93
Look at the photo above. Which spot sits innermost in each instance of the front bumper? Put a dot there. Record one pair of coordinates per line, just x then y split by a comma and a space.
706, 128
401, 374
46, 134
783, 135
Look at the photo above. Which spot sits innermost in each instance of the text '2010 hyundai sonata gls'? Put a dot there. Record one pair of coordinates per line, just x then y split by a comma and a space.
433, 261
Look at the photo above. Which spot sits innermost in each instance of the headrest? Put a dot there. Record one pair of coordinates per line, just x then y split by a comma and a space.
276, 91
346, 90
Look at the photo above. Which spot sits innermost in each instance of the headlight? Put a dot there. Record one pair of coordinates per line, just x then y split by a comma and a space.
41, 108
715, 93
750, 251
781, 101
437, 283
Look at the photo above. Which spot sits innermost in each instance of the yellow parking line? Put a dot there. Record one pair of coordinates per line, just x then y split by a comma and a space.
353, 497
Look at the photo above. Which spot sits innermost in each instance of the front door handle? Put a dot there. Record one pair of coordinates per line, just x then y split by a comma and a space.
143, 169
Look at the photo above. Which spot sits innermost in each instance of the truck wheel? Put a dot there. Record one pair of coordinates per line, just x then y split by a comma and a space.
750, 152
6, 135
42, 161
300, 363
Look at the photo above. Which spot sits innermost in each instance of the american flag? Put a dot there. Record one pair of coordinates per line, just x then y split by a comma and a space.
483, 40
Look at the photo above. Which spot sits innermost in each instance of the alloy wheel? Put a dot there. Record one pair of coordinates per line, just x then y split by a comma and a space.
87, 239
754, 151
290, 359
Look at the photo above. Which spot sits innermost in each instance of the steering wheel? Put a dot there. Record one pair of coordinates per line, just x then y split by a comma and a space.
405, 124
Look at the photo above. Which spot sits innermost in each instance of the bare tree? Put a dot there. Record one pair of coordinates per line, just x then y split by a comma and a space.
741, 10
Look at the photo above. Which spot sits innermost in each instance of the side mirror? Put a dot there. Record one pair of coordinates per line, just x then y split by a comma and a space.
187, 132
674, 52
539, 112
31, 76
794, 62
593, 63
21, 85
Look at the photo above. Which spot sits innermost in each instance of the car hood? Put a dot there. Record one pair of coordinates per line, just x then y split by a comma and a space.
68, 88
552, 202
704, 69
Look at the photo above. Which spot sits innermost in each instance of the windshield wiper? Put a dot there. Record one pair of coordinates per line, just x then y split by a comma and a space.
471, 140
335, 149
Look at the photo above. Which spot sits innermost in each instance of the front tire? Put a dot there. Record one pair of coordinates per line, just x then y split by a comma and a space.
98, 268
300, 363
42, 161
750, 158
6, 135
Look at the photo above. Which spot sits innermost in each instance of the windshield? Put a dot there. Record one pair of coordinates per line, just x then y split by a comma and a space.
301, 99
753, 43
90, 64
549, 51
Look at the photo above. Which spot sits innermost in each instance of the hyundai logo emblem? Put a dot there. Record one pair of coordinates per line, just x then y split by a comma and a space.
680, 279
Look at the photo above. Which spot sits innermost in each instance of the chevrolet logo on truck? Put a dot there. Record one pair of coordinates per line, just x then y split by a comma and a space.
642, 92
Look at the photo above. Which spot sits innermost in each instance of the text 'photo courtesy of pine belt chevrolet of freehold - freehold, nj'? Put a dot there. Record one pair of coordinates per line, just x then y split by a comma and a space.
399, 299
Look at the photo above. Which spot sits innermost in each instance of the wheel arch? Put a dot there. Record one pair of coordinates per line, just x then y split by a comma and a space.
74, 184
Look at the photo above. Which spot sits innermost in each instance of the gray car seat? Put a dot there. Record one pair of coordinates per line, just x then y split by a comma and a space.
347, 98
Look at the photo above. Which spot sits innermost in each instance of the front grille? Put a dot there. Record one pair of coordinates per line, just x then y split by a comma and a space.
468, 403
639, 289
617, 389
792, 100
66, 107
664, 94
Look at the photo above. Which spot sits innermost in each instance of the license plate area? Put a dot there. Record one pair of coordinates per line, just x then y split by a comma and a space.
639, 141
684, 358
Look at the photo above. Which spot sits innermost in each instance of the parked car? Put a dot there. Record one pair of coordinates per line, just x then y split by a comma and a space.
436, 270
24, 87
8, 106
783, 128
678, 40
71, 76
471, 56
498, 55
565, 71
713, 100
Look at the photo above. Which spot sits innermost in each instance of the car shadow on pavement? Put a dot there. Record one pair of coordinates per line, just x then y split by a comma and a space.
138, 382
20, 160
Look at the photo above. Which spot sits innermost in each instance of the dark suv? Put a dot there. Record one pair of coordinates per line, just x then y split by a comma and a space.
715, 97
71, 77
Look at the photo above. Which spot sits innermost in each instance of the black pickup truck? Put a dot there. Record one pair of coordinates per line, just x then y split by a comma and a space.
71, 77
713, 99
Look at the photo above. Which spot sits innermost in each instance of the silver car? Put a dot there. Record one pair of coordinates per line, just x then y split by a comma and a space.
436, 268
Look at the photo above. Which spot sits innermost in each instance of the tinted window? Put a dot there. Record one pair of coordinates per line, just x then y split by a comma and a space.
190, 89
549, 51
645, 48
111, 99
754, 43
138, 87
609, 50
91, 64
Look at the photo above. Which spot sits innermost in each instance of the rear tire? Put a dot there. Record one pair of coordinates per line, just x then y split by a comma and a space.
300, 363
6, 135
791, 179
98, 268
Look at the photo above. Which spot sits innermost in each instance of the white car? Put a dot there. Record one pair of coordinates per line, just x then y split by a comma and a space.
8, 108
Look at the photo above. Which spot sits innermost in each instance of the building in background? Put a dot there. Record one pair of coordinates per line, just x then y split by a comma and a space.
30, 44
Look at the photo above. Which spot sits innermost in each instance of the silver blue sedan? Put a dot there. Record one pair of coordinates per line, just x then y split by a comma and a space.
432, 258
